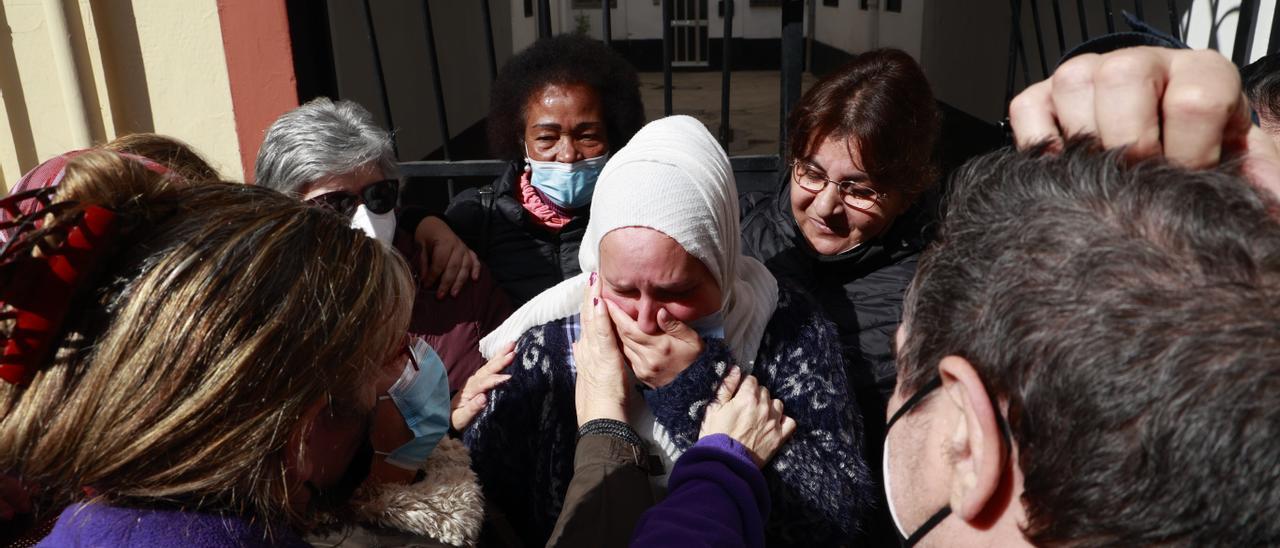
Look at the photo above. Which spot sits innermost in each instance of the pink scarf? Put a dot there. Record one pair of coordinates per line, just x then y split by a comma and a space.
545, 213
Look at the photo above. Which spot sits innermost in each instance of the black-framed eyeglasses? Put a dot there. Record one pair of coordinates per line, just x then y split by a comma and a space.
379, 197
855, 194
910, 403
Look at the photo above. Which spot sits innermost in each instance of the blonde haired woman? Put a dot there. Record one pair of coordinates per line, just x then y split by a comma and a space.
215, 370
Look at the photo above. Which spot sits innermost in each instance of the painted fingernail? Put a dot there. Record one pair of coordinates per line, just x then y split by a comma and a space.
595, 301
593, 278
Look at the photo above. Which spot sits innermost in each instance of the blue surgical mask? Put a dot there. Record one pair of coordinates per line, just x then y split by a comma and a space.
569, 186
422, 396
709, 327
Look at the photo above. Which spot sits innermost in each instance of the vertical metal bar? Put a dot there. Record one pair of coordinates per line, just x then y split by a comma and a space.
1035, 25
1084, 20
726, 52
606, 23
1057, 25
544, 18
435, 79
488, 39
1020, 46
1245, 19
1013, 55
694, 44
1137, 10
1111, 20
666, 57
1175, 26
792, 64
1273, 44
382, 80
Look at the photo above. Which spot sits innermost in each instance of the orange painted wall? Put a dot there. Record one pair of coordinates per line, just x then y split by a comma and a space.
255, 36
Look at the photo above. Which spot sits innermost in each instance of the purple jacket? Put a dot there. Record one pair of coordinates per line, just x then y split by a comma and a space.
92, 525
717, 497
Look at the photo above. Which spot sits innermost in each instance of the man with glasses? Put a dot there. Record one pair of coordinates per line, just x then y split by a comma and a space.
1088, 353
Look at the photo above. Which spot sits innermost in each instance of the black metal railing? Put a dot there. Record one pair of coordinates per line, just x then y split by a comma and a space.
1242, 45
755, 172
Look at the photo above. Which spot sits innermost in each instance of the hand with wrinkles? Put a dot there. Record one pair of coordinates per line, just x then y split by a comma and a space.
656, 359
444, 262
1186, 105
602, 384
744, 411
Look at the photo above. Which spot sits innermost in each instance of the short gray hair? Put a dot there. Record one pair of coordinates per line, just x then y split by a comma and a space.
319, 139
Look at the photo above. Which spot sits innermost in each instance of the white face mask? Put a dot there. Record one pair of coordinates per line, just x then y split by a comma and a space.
910, 539
379, 227
888, 490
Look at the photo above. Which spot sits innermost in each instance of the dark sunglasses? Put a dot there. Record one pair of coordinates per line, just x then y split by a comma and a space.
380, 197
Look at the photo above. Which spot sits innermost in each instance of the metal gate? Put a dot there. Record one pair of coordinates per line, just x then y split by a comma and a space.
689, 27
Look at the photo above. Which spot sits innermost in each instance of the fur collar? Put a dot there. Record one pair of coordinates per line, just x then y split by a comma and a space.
446, 508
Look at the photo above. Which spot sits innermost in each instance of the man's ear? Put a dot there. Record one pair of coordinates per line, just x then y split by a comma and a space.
976, 447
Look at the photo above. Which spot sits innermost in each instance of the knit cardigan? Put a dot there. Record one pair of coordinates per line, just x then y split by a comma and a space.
522, 444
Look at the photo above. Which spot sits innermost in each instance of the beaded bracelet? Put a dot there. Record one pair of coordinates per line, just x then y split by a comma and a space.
611, 428
650, 463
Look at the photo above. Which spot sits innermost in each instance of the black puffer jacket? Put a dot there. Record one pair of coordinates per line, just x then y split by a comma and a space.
523, 256
862, 292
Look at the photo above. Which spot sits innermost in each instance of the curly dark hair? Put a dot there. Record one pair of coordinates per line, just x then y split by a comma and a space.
564, 59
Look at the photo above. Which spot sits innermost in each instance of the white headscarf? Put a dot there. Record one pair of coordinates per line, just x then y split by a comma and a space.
672, 177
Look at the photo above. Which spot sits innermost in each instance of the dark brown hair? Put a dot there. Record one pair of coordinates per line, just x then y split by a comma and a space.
881, 102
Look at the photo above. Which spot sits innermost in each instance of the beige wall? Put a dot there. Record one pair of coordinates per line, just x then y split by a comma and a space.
142, 65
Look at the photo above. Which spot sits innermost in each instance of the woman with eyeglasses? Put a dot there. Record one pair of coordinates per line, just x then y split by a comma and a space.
847, 222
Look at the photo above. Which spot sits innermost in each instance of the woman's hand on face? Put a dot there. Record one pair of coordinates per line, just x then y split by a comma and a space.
469, 401
657, 359
743, 410
600, 391
1185, 105
445, 261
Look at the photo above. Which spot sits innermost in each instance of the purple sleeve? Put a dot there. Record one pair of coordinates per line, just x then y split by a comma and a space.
718, 498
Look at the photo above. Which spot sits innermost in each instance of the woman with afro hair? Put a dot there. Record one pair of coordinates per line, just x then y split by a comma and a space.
557, 111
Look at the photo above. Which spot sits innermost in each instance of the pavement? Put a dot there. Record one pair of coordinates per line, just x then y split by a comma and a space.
753, 104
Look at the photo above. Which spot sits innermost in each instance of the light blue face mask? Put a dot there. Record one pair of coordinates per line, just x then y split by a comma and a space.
709, 327
422, 396
567, 185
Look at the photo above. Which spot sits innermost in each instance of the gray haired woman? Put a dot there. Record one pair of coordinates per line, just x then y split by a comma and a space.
332, 154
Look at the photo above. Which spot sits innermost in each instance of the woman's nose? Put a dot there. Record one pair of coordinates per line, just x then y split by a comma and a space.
647, 316
566, 152
829, 201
